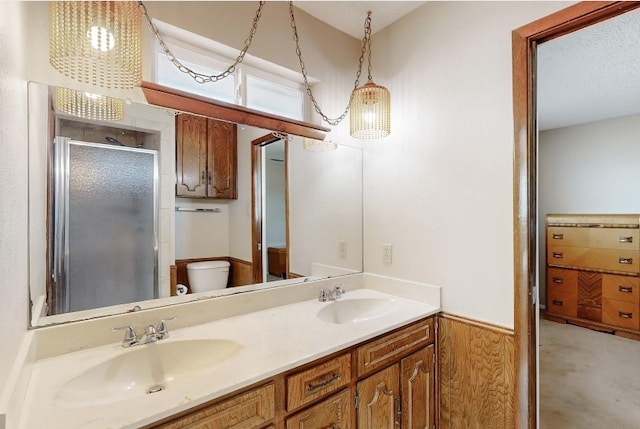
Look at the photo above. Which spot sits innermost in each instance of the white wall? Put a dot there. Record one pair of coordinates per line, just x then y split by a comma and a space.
325, 207
13, 192
588, 168
440, 188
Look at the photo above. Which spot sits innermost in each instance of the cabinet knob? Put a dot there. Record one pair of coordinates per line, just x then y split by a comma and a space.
558, 280
625, 289
558, 255
558, 236
625, 315
622, 239
625, 261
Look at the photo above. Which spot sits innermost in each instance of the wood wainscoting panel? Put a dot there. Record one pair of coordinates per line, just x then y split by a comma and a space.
477, 385
241, 272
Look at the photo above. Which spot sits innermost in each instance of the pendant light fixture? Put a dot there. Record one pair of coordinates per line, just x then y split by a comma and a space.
96, 43
87, 105
370, 107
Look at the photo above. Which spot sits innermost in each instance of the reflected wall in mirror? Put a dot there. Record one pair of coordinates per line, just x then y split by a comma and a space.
311, 213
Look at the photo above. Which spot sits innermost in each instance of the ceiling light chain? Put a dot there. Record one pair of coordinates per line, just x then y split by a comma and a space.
366, 45
199, 77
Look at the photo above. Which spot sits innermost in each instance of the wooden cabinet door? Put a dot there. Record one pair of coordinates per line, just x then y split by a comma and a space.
222, 159
379, 400
417, 387
334, 413
191, 156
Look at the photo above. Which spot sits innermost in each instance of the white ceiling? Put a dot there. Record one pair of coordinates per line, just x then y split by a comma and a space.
591, 74
349, 16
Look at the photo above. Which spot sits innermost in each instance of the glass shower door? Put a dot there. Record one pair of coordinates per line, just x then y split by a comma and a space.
105, 250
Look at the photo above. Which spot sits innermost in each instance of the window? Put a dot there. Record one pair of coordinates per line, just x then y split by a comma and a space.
256, 84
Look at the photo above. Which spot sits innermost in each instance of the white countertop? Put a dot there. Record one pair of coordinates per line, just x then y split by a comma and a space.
274, 340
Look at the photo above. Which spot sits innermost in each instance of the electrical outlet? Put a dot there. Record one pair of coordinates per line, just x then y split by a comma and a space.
387, 253
342, 248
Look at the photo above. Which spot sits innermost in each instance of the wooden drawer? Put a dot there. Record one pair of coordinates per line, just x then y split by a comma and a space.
621, 314
562, 280
318, 381
248, 410
563, 304
600, 259
605, 238
621, 288
334, 412
392, 347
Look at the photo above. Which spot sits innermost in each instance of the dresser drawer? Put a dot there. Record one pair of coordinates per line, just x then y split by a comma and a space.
334, 412
248, 410
605, 238
318, 381
562, 280
627, 261
390, 348
562, 304
621, 288
621, 314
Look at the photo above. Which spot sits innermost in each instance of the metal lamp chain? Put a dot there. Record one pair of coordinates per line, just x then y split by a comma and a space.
366, 44
199, 77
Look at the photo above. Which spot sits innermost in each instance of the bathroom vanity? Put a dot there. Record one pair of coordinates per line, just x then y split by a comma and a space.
356, 387
276, 358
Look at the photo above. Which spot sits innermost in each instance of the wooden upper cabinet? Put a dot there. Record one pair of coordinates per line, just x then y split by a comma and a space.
191, 156
222, 159
206, 157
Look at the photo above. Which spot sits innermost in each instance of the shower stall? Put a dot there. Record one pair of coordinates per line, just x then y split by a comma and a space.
104, 226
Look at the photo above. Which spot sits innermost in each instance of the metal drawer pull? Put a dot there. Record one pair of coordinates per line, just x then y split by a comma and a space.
560, 236
625, 315
312, 388
558, 280
625, 289
557, 302
625, 261
558, 255
625, 239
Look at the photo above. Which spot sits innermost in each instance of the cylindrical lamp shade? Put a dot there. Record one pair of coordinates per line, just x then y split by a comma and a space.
97, 42
89, 106
370, 112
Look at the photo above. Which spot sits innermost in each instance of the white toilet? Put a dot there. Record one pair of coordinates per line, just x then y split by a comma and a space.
207, 275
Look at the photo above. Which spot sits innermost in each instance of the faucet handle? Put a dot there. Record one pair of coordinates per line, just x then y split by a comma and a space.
338, 291
130, 337
162, 329
324, 295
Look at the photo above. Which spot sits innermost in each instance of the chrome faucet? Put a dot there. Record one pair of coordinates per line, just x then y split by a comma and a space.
152, 334
337, 292
130, 337
331, 295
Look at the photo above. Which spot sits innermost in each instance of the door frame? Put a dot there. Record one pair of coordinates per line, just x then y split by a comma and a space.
256, 202
524, 42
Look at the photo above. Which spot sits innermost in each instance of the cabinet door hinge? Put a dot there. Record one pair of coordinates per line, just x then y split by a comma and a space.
356, 400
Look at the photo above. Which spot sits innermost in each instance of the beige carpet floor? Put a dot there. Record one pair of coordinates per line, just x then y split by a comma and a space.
588, 379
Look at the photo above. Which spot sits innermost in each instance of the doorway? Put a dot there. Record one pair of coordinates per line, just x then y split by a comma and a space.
525, 41
270, 208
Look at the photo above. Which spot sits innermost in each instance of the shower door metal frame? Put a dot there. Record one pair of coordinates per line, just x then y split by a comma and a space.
60, 220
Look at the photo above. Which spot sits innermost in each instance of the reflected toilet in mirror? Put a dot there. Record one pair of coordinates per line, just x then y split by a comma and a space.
207, 275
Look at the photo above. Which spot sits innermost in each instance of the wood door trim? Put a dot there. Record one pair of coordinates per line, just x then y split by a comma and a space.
256, 202
524, 41
173, 99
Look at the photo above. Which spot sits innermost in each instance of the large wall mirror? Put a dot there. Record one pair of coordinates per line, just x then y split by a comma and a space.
116, 214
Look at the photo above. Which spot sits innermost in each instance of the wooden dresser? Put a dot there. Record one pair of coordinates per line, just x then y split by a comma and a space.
593, 272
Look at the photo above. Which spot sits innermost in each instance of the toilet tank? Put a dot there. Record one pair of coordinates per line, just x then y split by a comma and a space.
208, 275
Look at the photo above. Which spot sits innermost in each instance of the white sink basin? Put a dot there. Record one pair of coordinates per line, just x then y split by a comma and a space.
145, 369
355, 310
